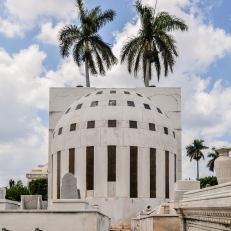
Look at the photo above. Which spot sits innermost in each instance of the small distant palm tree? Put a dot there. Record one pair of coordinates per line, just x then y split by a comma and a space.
214, 155
153, 43
88, 46
194, 152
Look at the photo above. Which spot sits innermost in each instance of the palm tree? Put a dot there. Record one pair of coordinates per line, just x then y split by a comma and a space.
88, 46
214, 156
152, 43
194, 152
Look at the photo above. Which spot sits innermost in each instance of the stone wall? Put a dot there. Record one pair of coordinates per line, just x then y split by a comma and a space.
206, 209
54, 220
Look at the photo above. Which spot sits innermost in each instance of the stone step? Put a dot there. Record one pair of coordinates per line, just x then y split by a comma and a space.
120, 229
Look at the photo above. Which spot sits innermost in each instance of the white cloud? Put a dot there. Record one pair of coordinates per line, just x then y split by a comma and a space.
24, 16
30, 10
24, 89
49, 34
10, 28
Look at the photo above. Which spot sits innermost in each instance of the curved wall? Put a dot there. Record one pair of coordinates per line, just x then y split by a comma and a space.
116, 195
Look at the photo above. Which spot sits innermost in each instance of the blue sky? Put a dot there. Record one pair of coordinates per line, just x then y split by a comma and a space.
30, 63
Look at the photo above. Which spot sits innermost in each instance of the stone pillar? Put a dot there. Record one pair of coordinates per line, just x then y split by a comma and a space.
223, 165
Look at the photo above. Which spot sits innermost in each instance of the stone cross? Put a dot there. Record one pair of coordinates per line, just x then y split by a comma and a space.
69, 187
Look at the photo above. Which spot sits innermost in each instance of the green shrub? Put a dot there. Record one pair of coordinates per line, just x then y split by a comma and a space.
16, 191
211, 180
39, 187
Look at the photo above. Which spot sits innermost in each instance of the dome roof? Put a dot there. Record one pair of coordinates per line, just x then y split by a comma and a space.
123, 106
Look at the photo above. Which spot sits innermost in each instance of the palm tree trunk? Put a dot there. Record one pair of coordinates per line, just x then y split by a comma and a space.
197, 169
87, 73
146, 81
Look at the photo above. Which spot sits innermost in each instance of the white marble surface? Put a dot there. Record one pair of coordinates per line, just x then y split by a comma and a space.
58, 220
206, 209
167, 99
8, 205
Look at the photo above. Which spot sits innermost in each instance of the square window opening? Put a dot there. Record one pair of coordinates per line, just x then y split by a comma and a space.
131, 103
165, 130
79, 106
60, 131
127, 92
94, 103
91, 124
159, 110
152, 127
146, 106
133, 124
73, 127
112, 103
111, 123
67, 110
112, 92
99, 93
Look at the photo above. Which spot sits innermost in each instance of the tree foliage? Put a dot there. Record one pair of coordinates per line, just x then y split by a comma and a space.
213, 155
16, 191
39, 187
153, 44
87, 44
211, 180
195, 153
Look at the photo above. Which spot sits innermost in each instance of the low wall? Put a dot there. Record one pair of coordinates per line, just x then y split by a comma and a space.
8, 204
85, 220
122, 210
156, 223
206, 209
166, 223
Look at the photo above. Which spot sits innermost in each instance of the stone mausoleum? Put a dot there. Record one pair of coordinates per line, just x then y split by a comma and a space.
122, 145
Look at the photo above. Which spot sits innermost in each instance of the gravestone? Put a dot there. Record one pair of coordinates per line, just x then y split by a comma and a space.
2, 193
69, 187
31, 202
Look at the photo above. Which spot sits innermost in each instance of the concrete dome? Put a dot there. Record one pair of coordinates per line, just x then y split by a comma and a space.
122, 135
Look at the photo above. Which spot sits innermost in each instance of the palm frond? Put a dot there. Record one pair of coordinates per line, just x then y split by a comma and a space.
166, 22
131, 51
105, 17
82, 10
92, 66
78, 52
104, 50
66, 37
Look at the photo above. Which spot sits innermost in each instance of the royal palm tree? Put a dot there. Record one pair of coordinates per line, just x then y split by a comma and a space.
88, 46
194, 152
153, 43
214, 155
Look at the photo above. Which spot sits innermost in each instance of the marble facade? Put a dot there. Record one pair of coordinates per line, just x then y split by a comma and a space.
108, 195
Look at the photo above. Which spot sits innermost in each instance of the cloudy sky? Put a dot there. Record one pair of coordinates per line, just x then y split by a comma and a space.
30, 63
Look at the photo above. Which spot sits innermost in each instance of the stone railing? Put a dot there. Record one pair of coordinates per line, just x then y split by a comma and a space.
36, 176
206, 209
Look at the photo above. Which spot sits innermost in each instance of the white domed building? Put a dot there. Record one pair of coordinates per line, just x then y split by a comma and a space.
123, 147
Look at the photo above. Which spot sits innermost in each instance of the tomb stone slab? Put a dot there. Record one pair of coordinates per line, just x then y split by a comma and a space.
2, 193
69, 187
31, 202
